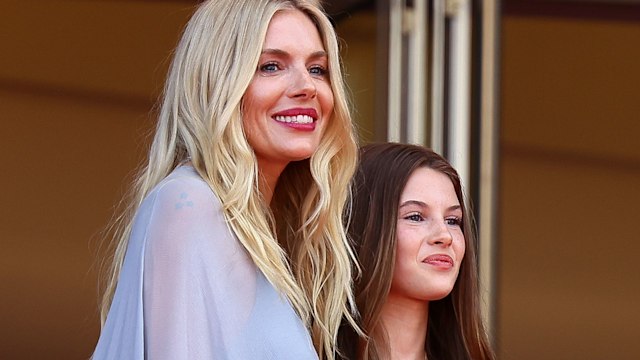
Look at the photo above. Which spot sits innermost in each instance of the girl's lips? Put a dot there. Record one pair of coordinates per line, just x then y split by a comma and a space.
440, 260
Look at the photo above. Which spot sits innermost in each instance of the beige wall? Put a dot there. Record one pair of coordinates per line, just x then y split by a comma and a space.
358, 35
569, 277
78, 80
77, 83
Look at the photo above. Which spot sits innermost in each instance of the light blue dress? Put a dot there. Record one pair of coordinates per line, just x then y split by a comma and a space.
188, 290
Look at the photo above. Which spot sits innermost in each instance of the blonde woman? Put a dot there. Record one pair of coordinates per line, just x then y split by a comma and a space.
233, 247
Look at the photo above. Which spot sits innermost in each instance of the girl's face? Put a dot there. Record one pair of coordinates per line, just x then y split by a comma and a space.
289, 101
430, 243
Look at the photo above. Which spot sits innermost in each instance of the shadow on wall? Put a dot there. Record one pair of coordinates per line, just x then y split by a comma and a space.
78, 81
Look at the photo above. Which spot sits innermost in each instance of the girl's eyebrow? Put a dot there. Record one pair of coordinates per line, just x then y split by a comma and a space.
414, 202
424, 205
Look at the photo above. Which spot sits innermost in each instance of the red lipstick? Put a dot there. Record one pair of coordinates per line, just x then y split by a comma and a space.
311, 112
303, 119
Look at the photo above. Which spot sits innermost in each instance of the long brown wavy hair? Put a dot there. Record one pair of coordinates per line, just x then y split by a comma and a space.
455, 329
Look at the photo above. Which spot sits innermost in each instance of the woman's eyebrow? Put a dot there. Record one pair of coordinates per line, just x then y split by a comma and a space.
275, 52
279, 52
318, 54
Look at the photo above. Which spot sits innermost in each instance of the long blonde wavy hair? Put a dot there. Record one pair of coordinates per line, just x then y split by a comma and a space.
298, 241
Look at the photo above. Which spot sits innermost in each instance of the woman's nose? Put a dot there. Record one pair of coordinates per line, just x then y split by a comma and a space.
302, 84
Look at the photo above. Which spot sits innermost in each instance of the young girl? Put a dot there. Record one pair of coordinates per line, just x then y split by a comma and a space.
413, 236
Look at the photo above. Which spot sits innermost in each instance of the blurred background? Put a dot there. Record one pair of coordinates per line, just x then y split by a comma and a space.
537, 103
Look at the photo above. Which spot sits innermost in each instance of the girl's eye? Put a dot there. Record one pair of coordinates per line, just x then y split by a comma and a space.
318, 70
269, 67
454, 221
414, 217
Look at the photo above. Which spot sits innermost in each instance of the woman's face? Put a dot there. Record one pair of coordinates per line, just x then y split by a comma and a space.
430, 243
289, 101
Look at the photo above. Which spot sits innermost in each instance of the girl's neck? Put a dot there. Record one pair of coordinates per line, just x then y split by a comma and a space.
405, 323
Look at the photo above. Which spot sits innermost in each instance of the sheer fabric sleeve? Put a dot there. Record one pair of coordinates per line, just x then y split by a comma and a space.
199, 285
188, 290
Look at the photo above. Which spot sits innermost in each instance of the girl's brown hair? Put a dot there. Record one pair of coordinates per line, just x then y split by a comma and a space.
455, 329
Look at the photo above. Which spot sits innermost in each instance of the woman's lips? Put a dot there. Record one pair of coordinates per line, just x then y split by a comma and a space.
297, 112
439, 260
298, 118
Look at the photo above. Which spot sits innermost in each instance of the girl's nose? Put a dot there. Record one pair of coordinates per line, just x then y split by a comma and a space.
441, 236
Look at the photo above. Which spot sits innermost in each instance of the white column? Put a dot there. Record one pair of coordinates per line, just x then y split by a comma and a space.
416, 29
395, 70
437, 77
488, 161
459, 120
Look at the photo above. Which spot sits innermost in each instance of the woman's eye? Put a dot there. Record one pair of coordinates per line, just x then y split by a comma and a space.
269, 67
454, 221
318, 70
414, 217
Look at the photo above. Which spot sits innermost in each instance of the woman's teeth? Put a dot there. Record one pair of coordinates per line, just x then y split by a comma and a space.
299, 119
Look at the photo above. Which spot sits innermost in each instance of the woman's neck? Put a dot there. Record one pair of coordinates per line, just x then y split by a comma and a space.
268, 175
405, 322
